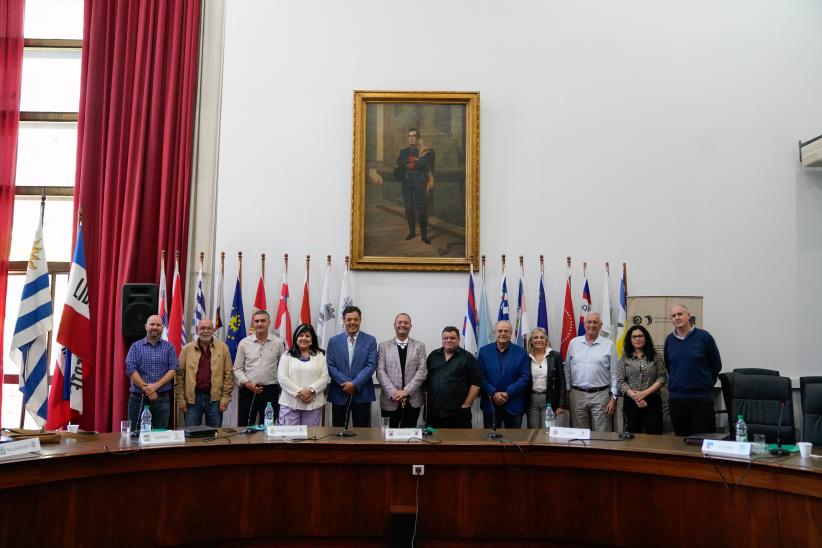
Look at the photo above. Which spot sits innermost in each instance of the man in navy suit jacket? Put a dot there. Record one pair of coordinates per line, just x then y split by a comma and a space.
506, 376
352, 359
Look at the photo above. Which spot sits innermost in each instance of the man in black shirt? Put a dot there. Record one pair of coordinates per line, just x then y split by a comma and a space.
453, 383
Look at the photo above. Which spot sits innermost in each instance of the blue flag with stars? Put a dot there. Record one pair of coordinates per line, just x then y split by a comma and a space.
236, 322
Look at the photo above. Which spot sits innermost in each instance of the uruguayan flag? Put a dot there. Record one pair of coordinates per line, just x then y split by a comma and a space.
29, 344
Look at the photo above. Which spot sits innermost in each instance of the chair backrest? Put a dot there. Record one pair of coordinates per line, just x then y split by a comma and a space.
810, 389
759, 399
756, 371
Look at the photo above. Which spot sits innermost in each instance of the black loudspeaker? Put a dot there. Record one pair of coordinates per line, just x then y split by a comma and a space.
139, 302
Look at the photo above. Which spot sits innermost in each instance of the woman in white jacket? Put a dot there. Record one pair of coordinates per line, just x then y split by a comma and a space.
303, 376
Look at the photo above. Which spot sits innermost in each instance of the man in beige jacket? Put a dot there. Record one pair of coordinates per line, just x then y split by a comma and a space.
205, 378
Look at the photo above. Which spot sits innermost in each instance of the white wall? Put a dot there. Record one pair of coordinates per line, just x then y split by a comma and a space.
662, 134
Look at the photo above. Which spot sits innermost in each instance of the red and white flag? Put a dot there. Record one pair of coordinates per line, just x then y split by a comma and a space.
283, 320
74, 363
568, 331
176, 324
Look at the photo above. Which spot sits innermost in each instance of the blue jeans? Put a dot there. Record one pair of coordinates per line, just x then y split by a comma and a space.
160, 410
203, 405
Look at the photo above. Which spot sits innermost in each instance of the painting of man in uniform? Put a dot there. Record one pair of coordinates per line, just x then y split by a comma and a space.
415, 156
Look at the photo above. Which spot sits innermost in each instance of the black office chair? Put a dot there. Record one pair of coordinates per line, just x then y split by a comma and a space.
760, 399
810, 390
755, 371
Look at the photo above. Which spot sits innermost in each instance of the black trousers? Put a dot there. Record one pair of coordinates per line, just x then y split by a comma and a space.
360, 415
413, 196
692, 416
643, 420
402, 417
245, 409
461, 420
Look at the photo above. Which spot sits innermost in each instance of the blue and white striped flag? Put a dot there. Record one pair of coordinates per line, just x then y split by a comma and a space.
29, 344
199, 305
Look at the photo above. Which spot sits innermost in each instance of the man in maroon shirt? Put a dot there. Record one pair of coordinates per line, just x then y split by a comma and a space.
205, 378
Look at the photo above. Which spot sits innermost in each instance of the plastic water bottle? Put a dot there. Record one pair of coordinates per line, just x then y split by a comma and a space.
269, 415
145, 420
741, 429
550, 419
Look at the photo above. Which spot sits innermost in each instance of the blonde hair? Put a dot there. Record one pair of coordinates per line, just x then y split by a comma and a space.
534, 331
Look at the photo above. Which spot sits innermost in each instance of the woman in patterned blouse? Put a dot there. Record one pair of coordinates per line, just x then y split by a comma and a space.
640, 375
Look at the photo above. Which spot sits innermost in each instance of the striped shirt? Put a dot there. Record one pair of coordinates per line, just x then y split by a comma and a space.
151, 361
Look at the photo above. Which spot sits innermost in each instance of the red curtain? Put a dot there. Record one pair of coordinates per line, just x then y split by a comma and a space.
139, 80
11, 67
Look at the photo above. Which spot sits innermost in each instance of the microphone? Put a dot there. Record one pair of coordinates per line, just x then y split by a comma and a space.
136, 433
346, 433
778, 451
248, 428
493, 434
625, 434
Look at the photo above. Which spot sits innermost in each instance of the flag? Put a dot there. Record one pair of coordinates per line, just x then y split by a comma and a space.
199, 304
236, 321
162, 306
176, 323
259, 297
326, 315
523, 329
585, 308
605, 311
483, 320
29, 344
305, 308
283, 321
469, 321
219, 306
567, 318
74, 333
622, 317
542, 306
345, 300
502, 313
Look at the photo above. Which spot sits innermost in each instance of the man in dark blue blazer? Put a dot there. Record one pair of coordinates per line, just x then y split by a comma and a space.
506, 376
352, 359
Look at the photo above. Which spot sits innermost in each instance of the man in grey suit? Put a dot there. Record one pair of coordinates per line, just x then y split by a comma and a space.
401, 370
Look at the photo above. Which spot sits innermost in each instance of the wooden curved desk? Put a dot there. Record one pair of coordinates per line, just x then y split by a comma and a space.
646, 491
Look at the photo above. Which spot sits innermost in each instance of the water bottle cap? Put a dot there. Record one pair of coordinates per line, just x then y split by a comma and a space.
146, 407
739, 417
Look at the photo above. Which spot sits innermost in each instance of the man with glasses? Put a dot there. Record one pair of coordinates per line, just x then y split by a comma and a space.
204, 378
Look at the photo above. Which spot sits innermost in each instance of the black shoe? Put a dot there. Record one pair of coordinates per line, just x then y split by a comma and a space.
426, 240
409, 235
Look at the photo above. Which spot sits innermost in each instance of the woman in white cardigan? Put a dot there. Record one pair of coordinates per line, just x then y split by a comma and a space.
303, 376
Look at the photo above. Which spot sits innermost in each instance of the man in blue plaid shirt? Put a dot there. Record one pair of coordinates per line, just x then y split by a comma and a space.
151, 364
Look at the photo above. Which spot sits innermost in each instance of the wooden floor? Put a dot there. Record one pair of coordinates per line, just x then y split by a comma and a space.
386, 229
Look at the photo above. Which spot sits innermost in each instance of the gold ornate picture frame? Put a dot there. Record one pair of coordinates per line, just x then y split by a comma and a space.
415, 191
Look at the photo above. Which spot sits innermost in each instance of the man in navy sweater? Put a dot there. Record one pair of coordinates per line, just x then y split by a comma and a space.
693, 364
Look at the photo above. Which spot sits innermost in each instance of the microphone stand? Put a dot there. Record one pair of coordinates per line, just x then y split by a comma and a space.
625, 434
778, 451
248, 428
136, 433
346, 433
493, 434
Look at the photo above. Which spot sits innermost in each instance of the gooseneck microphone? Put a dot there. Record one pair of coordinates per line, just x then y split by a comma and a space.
493, 434
778, 451
248, 428
135, 432
625, 434
346, 433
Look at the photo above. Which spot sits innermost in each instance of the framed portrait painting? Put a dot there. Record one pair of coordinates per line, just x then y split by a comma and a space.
415, 196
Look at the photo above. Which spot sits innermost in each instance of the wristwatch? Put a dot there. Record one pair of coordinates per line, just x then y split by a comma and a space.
614, 397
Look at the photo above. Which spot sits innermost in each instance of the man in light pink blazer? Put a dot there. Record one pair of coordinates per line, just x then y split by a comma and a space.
401, 370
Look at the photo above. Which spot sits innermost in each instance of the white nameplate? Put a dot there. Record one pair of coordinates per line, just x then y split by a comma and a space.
403, 434
165, 437
14, 448
570, 433
721, 448
295, 432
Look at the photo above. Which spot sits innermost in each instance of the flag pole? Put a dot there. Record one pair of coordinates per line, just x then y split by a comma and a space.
585, 269
347, 260
569, 265
285, 258
503, 263
521, 265
307, 267
262, 266
607, 269
483, 267
240, 268
328, 260
542, 264
625, 277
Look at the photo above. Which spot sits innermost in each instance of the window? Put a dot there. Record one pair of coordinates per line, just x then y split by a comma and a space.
46, 157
